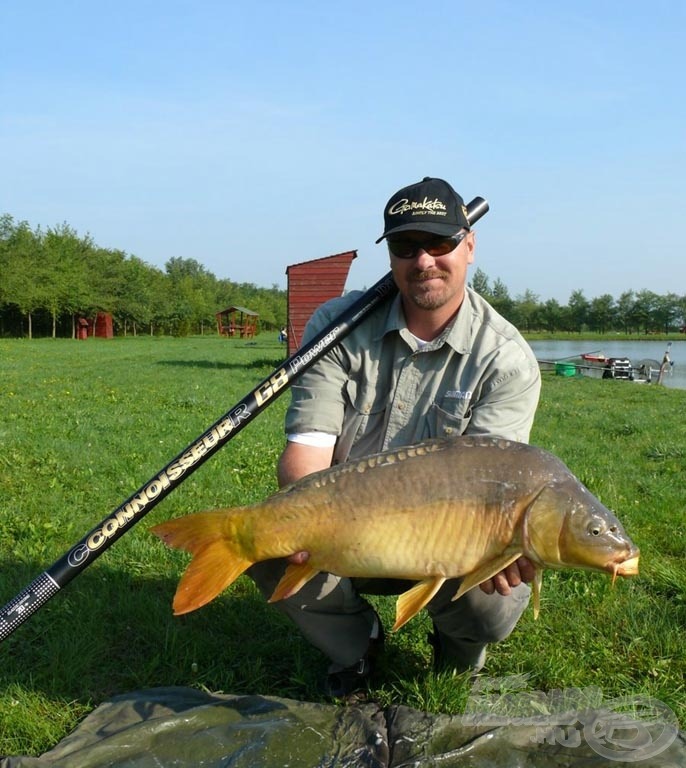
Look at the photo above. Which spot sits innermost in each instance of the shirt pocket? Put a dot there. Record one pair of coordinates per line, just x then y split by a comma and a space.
449, 419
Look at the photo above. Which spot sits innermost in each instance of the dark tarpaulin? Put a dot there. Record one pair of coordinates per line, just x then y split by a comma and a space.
185, 728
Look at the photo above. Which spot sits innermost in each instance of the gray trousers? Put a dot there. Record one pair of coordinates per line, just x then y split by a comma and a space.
334, 617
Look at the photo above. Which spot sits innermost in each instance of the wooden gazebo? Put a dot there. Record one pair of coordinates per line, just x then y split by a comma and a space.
237, 321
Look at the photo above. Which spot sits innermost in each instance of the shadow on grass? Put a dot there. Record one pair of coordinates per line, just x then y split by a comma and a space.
219, 365
110, 631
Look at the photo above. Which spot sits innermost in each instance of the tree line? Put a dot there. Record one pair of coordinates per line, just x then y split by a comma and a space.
634, 312
50, 278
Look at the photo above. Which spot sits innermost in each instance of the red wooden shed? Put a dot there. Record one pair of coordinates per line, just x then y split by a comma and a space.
311, 283
102, 326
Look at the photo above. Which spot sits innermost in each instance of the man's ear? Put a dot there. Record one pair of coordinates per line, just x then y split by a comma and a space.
470, 242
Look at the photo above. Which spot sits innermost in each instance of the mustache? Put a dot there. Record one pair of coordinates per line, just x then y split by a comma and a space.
419, 275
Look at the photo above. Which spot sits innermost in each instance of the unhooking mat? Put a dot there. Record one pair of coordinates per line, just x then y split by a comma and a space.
185, 728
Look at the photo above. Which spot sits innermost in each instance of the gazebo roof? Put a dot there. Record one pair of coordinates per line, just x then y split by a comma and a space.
238, 309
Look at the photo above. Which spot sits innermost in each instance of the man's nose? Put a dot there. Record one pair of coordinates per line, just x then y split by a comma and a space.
423, 260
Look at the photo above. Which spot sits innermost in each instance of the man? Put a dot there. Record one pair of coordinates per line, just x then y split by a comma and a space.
435, 361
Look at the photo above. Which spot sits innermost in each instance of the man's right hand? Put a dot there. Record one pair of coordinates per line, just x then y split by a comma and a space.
298, 558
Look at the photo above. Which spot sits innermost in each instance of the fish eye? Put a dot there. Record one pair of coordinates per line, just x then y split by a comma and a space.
596, 528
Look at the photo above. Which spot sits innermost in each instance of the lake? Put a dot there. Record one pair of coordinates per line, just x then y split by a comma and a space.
636, 351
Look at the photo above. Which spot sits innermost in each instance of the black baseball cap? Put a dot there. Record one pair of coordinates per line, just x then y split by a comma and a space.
430, 205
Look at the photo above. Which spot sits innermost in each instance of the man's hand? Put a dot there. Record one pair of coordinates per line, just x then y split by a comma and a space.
512, 576
298, 558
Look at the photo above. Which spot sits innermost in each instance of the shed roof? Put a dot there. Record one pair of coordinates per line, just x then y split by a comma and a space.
343, 254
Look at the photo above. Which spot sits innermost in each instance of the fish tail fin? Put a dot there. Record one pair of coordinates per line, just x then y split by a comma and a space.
216, 563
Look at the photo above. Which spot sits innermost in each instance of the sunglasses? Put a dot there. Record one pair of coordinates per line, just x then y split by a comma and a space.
403, 248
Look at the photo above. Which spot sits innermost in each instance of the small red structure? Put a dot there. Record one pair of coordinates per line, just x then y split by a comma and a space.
82, 328
311, 283
239, 321
100, 325
103, 326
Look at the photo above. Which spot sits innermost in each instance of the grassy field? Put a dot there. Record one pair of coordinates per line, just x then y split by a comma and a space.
84, 424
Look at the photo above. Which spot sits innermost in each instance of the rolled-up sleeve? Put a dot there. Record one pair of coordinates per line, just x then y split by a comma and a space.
317, 395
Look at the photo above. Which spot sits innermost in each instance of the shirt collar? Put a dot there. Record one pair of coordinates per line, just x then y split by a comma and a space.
458, 334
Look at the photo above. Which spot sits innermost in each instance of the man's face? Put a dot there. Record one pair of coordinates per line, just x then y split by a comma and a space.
431, 282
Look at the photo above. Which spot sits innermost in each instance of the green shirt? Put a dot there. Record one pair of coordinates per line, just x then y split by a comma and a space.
380, 388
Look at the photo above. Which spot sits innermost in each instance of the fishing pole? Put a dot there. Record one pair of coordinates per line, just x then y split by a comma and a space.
160, 485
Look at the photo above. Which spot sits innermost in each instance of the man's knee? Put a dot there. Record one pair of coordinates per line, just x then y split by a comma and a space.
479, 617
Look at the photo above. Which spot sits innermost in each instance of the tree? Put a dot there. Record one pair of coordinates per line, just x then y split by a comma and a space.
501, 301
644, 309
552, 315
601, 313
479, 283
64, 273
667, 312
578, 307
22, 261
625, 311
526, 310
135, 295
192, 295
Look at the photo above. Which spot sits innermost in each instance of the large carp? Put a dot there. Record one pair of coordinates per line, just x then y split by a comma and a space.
464, 507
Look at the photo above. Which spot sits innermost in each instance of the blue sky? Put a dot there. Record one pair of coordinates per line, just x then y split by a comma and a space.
251, 136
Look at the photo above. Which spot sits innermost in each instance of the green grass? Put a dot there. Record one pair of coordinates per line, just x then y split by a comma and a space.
84, 424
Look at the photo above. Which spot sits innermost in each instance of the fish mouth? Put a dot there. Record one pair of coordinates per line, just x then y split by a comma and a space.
627, 567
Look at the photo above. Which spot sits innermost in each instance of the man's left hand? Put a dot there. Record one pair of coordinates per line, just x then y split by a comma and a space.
522, 570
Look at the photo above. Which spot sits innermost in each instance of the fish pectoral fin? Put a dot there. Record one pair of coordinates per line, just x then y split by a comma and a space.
295, 577
485, 572
536, 588
212, 570
412, 601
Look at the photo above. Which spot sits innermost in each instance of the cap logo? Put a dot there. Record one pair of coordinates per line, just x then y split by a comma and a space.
434, 206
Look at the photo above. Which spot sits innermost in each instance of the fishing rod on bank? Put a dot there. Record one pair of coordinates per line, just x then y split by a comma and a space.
124, 517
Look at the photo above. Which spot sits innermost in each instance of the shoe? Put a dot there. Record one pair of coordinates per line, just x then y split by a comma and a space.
434, 640
352, 683
444, 661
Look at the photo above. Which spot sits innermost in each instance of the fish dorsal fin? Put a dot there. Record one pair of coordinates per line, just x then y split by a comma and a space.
412, 601
486, 571
295, 577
